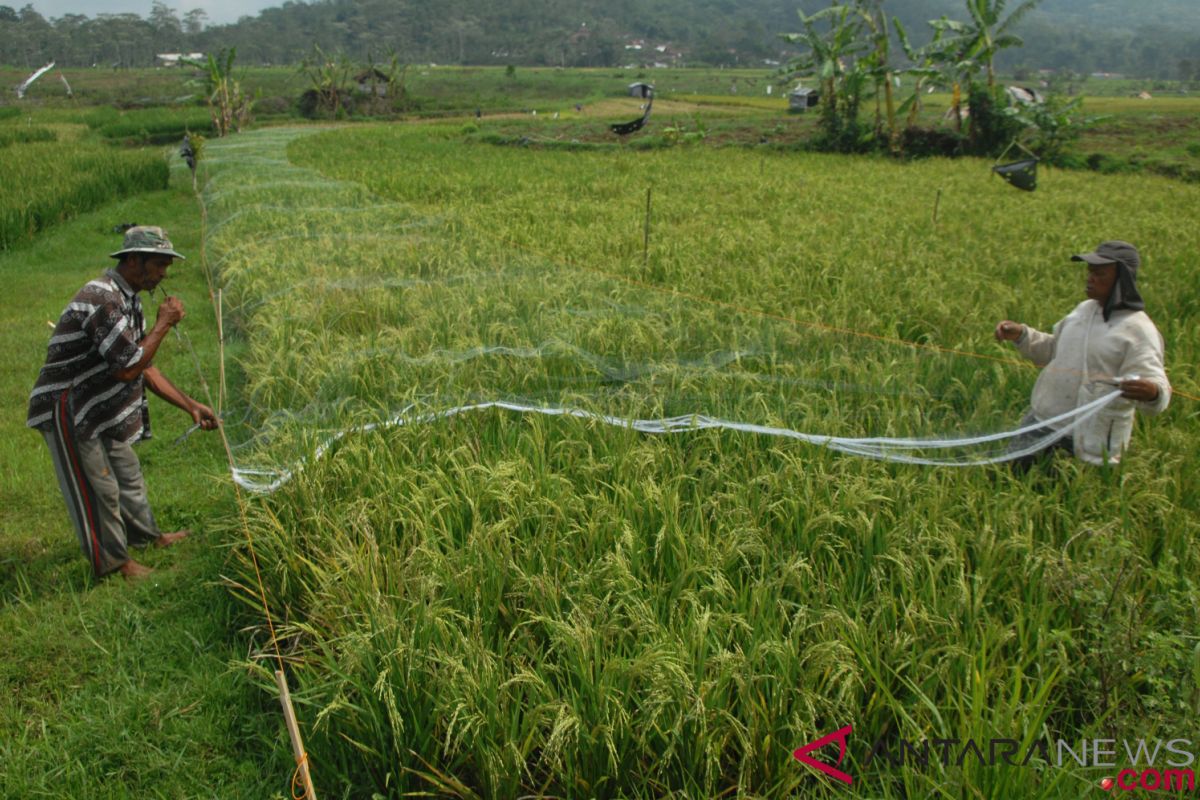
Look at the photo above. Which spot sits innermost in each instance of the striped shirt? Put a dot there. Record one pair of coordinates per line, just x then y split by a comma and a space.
98, 334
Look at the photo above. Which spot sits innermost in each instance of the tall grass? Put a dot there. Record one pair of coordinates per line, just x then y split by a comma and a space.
46, 182
149, 126
499, 605
25, 135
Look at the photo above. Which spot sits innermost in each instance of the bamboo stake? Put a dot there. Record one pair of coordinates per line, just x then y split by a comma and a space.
937, 202
285, 697
220, 353
646, 236
289, 713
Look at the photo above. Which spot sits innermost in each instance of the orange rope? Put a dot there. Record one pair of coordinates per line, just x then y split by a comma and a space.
298, 779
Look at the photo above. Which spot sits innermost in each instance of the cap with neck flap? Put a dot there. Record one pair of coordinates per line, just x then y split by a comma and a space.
1125, 256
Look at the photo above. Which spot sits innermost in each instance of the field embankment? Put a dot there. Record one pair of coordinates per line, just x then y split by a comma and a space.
111, 690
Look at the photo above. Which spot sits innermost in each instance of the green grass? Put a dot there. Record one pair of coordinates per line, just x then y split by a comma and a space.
112, 690
501, 605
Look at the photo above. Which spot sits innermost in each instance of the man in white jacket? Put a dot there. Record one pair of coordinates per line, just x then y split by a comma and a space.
1106, 343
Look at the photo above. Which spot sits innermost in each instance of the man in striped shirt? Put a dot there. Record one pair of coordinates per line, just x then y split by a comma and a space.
89, 403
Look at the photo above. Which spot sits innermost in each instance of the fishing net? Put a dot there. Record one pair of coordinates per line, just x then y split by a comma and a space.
358, 314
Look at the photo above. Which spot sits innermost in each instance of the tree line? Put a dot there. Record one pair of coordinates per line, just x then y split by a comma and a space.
1153, 38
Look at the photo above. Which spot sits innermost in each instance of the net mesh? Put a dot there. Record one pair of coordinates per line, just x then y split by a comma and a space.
358, 313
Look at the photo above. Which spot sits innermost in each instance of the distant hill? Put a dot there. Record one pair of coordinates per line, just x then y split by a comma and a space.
1141, 38
1151, 38
1147, 38
1122, 14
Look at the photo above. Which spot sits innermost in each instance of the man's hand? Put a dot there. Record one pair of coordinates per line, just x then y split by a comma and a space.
1139, 389
203, 416
1009, 331
170, 312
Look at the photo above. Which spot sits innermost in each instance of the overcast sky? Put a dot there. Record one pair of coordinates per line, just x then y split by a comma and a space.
218, 10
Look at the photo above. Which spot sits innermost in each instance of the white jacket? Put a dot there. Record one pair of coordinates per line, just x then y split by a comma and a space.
1082, 360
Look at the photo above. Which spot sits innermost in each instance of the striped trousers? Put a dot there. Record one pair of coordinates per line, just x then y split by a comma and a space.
101, 482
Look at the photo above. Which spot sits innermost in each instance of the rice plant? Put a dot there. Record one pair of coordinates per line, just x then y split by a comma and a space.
45, 182
155, 125
489, 603
23, 135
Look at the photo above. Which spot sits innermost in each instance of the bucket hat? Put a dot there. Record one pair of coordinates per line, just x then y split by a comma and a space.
147, 239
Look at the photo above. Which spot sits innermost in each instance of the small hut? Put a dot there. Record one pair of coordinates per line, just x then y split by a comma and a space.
801, 99
372, 81
640, 89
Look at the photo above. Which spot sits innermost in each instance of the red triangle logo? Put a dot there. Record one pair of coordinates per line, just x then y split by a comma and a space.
802, 754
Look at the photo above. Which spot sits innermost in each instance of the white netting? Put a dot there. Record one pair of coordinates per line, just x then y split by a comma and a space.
358, 313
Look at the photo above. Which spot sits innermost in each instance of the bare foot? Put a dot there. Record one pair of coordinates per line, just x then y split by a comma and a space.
168, 539
133, 571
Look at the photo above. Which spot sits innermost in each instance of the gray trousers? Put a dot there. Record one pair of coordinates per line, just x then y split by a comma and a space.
101, 482
1026, 462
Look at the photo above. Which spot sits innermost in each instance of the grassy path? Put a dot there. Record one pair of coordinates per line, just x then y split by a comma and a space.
110, 690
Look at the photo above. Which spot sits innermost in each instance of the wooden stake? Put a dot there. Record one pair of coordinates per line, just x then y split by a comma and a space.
289, 714
937, 202
646, 237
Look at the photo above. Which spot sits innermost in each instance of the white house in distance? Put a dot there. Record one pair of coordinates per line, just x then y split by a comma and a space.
176, 59
660, 56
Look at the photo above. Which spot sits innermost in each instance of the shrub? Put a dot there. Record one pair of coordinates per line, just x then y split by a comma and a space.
991, 128
930, 142
274, 105
1108, 164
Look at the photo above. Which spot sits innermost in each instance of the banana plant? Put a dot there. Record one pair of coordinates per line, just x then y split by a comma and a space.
230, 109
951, 55
989, 31
329, 76
930, 65
968, 47
878, 65
833, 58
